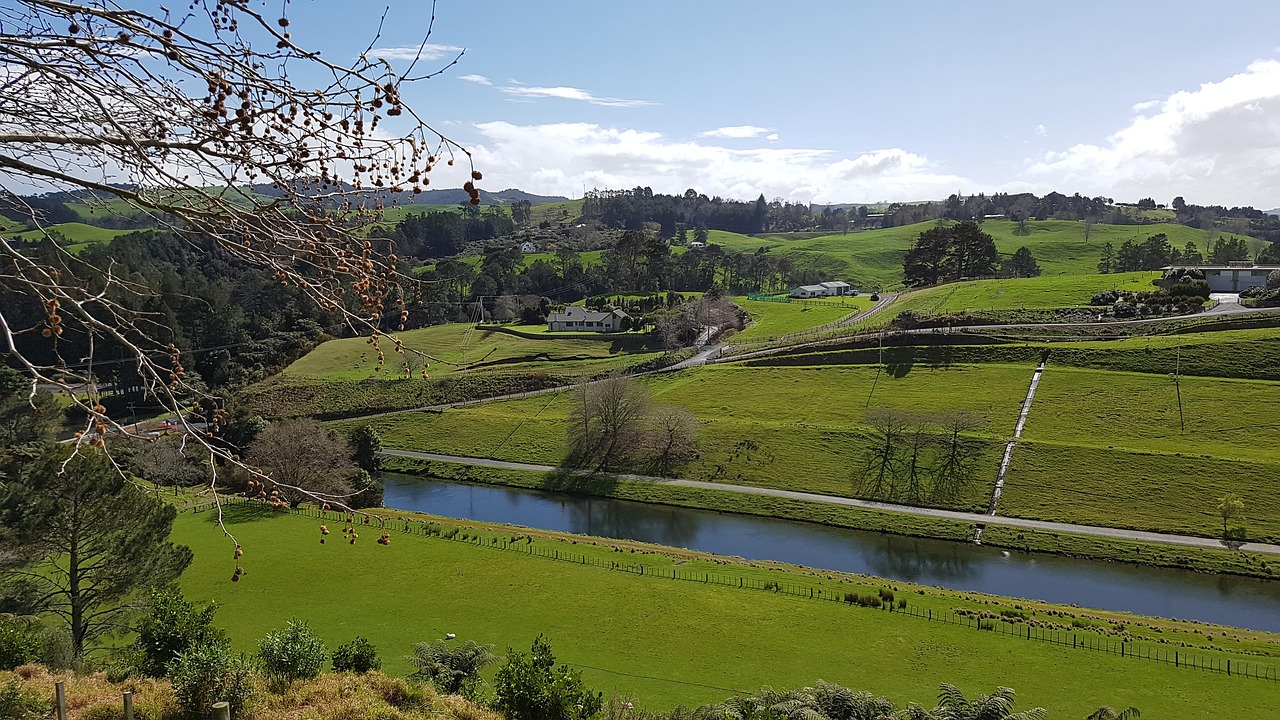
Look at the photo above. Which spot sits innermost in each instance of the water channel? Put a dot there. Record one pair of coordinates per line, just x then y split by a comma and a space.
1225, 599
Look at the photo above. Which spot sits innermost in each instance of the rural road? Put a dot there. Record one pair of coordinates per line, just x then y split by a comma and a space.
977, 518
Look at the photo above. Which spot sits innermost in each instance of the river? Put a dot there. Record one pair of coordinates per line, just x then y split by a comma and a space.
1223, 599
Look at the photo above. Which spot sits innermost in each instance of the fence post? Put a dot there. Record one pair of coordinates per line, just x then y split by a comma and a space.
60, 690
128, 705
221, 711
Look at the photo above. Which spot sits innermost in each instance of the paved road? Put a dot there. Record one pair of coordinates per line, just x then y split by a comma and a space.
978, 518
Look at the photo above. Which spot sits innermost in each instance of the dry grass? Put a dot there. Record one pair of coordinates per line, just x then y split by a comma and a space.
332, 696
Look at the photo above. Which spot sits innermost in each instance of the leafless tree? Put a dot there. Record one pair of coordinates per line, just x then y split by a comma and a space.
672, 437
606, 428
917, 472
303, 453
175, 114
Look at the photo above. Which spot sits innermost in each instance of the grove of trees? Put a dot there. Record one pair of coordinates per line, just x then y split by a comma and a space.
950, 252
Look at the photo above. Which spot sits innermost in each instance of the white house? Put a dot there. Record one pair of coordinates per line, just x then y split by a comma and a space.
1232, 277
833, 288
528, 247
697, 244
576, 318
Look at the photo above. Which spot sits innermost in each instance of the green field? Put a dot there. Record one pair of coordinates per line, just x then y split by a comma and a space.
872, 258
79, 235
458, 347
786, 428
771, 320
667, 642
1039, 293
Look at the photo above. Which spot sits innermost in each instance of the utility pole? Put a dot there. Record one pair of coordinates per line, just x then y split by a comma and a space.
1177, 385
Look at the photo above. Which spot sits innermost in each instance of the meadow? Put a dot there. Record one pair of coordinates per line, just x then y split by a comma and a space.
668, 643
78, 235
771, 320
1038, 293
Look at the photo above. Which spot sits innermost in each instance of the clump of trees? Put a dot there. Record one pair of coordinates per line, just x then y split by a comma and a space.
1181, 291
614, 425
950, 252
304, 460
916, 458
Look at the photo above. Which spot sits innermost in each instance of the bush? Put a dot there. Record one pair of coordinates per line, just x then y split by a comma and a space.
452, 670
1273, 280
530, 687
208, 674
1106, 297
17, 703
357, 656
294, 653
20, 642
173, 627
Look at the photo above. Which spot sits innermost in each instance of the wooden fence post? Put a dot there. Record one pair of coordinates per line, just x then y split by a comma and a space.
60, 690
221, 711
128, 705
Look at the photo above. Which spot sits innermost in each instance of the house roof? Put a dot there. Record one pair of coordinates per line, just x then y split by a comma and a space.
577, 313
1221, 267
835, 284
811, 288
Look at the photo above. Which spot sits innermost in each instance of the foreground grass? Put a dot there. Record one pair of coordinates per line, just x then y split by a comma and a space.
1038, 293
665, 642
770, 320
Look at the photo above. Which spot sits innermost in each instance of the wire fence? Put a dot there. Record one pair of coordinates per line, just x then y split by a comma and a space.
887, 602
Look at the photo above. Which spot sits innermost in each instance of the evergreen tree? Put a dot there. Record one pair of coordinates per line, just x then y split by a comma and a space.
1023, 264
1108, 261
92, 544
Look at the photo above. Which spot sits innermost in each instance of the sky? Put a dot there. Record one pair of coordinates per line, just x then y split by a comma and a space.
841, 101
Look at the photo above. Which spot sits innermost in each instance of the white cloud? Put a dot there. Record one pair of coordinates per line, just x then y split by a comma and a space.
1042, 131
563, 158
477, 79
569, 93
772, 137
1142, 107
429, 51
735, 131
1219, 143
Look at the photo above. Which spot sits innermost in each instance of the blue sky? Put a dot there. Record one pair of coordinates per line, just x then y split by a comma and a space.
844, 101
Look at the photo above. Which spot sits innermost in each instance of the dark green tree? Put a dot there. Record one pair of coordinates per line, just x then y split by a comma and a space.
1107, 263
91, 542
365, 446
924, 262
531, 687
1023, 264
972, 252
173, 627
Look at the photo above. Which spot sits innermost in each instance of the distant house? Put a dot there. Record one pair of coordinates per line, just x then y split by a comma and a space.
576, 318
1232, 277
833, 288
528, 247
697, 244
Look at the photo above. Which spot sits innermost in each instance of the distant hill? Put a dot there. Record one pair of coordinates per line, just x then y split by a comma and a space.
452, 196
1272, 211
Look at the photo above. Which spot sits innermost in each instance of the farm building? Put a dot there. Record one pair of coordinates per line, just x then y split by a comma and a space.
1232, 277
834, 288
528, 247
697, 244
576, 318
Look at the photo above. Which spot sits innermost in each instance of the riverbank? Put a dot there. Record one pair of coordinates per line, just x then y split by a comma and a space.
1209, 560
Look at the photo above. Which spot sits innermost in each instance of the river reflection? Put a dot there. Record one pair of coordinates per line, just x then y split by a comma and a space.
1242, 602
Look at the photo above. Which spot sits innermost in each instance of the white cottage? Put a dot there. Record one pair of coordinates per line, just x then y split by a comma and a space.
576, 318
528, 247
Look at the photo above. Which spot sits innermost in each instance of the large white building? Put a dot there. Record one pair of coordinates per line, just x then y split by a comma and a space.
833, 288
1232, 277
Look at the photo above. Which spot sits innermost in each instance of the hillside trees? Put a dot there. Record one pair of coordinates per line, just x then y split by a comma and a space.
949, 252
91, 543
614, 425
303, 453
197, 120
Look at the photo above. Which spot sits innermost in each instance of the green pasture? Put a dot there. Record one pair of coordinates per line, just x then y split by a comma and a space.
1038, 293
787, 428
455, 347
78, 235
770, 320
668, 642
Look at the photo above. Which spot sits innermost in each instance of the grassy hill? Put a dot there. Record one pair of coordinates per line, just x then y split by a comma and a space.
78, 235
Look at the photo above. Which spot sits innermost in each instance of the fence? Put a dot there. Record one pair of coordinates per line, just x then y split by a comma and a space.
1078, 640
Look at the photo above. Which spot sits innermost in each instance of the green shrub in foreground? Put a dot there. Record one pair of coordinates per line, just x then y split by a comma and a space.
357, 656
173, 627
530, 687
207, 674
452, 670
294, 653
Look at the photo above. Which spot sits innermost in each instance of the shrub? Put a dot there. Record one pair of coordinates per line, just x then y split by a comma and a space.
530, 687
294, 653
357, 656
1273, 280
208, 674
1106, 297
173, 627
20, 642
452, 670
17, 703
